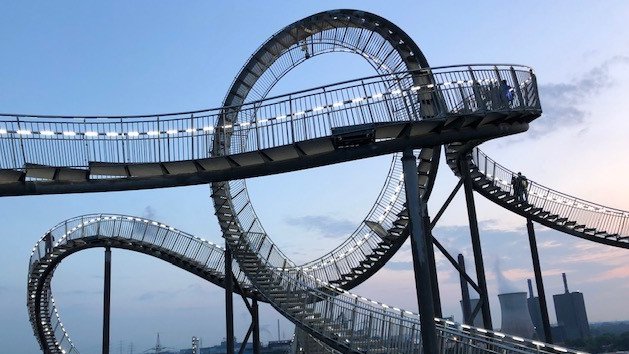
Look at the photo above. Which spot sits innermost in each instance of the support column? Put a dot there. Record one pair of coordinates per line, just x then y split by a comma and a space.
106, 300
476, 245
416, 211
256, 326
434, 281
465, 294
541, 294
229, 301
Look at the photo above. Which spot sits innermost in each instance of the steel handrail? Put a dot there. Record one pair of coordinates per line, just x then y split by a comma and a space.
555, 201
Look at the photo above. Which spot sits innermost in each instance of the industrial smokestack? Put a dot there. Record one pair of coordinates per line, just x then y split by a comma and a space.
516, 319
530, 288
565, 283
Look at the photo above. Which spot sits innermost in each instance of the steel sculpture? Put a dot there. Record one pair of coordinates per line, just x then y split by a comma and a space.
407, 105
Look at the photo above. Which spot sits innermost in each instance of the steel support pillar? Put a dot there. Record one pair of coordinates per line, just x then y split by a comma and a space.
432, 264
541, 294
106, 300
476, 245
256, 326
229, 301
419, 235
465, 294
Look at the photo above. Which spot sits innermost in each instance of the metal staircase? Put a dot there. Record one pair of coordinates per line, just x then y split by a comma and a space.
557, 210
193, 254
336, 319
407, 105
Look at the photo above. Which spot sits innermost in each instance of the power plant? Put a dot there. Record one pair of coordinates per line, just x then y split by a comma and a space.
535, 312
572, 318
516, 319
522, 316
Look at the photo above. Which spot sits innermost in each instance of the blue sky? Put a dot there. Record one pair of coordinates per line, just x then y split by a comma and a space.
155, 56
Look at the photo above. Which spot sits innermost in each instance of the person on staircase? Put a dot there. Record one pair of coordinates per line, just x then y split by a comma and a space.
48, 240
522, 194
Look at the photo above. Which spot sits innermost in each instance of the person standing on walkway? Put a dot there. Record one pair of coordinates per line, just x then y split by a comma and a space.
524, 187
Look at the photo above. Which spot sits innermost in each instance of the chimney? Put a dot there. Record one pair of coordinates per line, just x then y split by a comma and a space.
516, 319
530, 288
565, 283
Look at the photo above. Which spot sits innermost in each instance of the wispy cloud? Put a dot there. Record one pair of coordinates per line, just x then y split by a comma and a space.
621, 272
549, 244
325, 226
563, 102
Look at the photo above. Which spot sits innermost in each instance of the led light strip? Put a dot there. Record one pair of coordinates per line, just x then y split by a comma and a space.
193, 130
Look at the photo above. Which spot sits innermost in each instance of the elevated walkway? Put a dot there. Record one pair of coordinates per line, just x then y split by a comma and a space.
339, 320
355, 119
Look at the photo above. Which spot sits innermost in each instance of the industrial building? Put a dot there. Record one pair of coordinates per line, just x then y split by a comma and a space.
571, 313
535, 312
516, 319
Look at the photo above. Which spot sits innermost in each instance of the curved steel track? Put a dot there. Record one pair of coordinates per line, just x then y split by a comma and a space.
406, 105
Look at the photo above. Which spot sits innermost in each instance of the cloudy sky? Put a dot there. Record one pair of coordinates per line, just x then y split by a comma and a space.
146, 57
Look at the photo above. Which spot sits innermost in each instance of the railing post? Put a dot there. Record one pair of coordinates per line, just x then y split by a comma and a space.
290, 111
516, 85
193, 133
480, 103
536, 93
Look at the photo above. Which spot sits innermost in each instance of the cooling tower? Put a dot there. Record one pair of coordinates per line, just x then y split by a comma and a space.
478, 320
516, 319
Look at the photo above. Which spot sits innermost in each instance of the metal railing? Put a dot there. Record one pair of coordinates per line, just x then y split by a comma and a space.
364, 323
358, 323
140, 233
75, 141
594, 216
479, 84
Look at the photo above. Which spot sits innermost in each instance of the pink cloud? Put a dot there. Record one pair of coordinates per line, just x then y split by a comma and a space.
614, 273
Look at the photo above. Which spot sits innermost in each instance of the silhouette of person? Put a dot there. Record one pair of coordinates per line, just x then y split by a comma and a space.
515, 184
506, 93
48, 240
524, 185
520, 187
